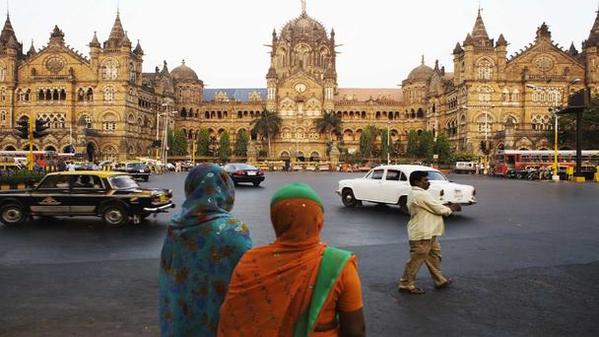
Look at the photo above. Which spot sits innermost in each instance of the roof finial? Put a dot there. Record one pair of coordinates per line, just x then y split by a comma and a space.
422, 60
303, 6
479, 8
183, 62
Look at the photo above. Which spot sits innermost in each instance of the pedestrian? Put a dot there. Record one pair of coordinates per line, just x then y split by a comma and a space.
296, 285
62, 166
71, 166
424, 228
204, 242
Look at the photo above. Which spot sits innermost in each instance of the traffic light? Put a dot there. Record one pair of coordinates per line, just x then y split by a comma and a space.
23, 128
41, 127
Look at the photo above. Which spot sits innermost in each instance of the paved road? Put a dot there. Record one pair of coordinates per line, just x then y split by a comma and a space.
525, 261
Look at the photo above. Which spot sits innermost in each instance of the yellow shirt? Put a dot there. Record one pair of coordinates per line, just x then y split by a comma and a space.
426, 215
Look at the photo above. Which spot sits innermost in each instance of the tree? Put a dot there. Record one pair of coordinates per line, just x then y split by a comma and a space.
177, 142
590, 127
329, 122
224, 146
241, 143
443, 148
426, 145
366, 141
413, 144
268, 125
203, 142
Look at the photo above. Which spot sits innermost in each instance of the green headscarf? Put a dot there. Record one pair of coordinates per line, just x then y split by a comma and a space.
296, 191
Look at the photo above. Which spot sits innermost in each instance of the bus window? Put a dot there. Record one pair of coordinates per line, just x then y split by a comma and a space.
511, 159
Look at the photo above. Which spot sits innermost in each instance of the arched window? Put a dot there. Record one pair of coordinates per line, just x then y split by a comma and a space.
40, 95
80, 95
63, 95
109, 94
3, 117
89, 95
2, 72
110, 69
109, 122
484, 94
485, 123
484, 69
132, 72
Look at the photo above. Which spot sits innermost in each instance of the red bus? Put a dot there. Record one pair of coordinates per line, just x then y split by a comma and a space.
505, 160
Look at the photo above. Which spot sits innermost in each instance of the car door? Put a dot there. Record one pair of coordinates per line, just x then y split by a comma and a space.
87, 192
51, 197
369, 188
392, 185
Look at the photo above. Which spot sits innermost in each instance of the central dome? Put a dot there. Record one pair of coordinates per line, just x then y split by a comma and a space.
303, 27
420, 73
184, 73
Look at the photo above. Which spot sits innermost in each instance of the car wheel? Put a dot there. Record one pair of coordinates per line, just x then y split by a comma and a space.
147, 178
12, 214
348, 198
115, 215
256, 183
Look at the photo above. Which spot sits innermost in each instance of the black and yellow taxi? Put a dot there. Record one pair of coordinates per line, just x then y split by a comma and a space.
113, 196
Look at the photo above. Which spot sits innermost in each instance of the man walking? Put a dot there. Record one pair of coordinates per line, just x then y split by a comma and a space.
425, 225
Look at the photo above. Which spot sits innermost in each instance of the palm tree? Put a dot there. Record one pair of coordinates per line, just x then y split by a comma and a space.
329, 122
267, 124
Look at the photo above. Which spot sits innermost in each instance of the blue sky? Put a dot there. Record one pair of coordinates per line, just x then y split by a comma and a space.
382, 40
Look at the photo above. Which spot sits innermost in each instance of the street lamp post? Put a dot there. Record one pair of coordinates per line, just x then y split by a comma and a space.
388, 143
555, 110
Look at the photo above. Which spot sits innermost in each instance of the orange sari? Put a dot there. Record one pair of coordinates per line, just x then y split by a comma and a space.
272, 285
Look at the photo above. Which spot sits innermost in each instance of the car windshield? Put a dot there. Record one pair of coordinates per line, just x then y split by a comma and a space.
434, 175
122, 182
137, 166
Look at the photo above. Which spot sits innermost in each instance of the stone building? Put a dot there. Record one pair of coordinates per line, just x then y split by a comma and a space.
104, 106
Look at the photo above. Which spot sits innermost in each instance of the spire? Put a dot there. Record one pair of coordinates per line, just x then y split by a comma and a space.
138, 49
57, 36
593, 38
572, 51
458, 49
479, 32
95, 43
117, 32
543, 33
501, 42
32, 50
126, 41
468, 41
422, 59
303, 7
164, 70
7, 31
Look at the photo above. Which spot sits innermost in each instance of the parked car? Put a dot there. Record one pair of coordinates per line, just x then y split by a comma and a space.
137, 170
389, 184
244, 173
113, 196
464, 167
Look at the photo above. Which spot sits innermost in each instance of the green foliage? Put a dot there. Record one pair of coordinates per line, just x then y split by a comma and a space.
177, 143
224, 146
426, 145
241, 143
443, 148
590, 128
413, 144
267, 125
20, 177
329, 122
203, 145
366, 141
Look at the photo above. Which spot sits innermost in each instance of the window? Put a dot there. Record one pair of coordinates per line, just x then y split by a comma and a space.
87, 182
393, 175
2, 72
55, 181
484, 69
377, 174
108, 126
109, 94
110, 70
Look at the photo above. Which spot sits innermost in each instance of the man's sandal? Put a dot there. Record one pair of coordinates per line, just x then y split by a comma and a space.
411, 291
444, 284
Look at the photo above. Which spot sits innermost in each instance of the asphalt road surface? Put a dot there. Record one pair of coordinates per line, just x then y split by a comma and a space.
525, 261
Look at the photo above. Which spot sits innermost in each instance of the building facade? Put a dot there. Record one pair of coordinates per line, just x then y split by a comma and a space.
105, 107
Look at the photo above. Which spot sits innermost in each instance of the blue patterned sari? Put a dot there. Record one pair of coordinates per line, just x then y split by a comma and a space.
202, 247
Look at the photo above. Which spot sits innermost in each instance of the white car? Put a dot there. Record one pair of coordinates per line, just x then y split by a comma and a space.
389, 184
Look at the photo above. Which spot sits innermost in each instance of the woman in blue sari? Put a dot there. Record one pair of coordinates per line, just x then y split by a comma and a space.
202, 247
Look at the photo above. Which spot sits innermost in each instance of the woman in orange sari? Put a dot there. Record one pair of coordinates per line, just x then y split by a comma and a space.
296, 286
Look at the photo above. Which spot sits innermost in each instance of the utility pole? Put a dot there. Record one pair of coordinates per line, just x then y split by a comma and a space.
30, 159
